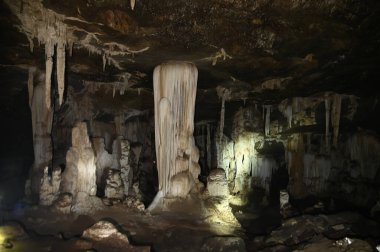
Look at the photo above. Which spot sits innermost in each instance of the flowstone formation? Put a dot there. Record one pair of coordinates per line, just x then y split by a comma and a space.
175, 85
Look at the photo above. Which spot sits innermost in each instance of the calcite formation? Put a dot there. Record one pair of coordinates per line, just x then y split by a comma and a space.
114, 185
49, 190
217, 183
80, 172
126, 169
42, 118
175, 85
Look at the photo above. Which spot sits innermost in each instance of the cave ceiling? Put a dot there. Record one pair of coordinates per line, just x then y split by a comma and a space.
263, 51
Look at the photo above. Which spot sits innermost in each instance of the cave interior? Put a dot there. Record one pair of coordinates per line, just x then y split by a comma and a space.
220, 125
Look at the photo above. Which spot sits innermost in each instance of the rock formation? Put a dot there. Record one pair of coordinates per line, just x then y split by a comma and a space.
80, 172
175, 85
49, 189
114, 185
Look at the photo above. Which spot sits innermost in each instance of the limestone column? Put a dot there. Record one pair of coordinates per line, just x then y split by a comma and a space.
175, 87
42, 119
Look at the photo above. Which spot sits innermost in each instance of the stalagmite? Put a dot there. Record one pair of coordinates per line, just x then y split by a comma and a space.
175, 85
49, 190
327, 128
335, 117
49, 52
61, 55
80, 173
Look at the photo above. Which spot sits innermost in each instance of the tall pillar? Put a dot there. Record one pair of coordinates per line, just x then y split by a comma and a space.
175, 87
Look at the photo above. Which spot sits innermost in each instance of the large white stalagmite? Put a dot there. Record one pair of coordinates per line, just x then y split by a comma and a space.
175, 86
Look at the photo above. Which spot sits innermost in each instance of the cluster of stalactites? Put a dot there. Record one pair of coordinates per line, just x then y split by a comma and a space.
224, 94
294, 110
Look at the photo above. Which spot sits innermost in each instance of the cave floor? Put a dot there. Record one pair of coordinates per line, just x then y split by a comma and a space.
185, 229
163, 231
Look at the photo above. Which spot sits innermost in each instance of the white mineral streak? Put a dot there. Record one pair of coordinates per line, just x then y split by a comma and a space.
289, 115
327, 119
175, 85
61, 55
222, 114
224, 94
104, 61
208, 145
31, 72
267, 119
335, 117
49, 53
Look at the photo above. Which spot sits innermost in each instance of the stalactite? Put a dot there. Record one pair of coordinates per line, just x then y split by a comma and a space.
30, 84
104, 61
289, 113
49, 52
335, 117
133, 2
175, 85
267, 118
222, 113
61, 59
208, 146
327, 127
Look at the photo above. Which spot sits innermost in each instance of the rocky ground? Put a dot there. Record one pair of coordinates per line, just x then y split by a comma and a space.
119, 228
